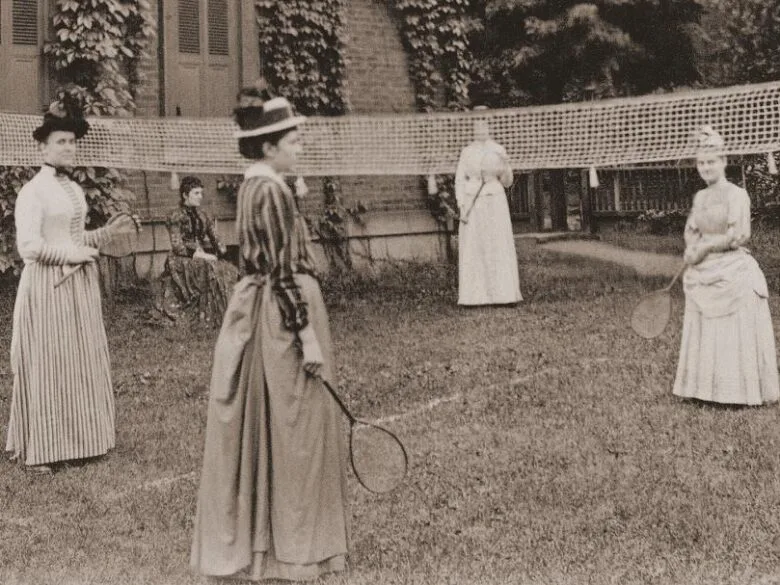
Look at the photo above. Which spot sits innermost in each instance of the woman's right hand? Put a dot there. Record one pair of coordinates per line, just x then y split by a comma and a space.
312, 353
83, 255
200, 254
695, 253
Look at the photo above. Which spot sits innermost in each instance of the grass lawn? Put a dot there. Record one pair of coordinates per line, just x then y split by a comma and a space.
546, 446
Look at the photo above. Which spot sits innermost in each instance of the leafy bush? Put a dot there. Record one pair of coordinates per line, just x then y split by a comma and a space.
664, 221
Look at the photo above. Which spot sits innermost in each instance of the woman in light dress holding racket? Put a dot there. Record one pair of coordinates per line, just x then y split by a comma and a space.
727, 352
272, 498
62, 406
487, 259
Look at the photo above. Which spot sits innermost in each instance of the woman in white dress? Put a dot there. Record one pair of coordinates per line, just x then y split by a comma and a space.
487, 259
727, 352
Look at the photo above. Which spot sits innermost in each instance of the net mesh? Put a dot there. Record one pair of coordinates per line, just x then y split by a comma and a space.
606, 133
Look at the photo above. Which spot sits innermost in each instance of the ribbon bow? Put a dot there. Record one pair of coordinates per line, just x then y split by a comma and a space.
61, 171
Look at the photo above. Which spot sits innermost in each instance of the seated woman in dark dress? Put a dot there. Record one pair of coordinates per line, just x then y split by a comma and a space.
195, 275
191, 229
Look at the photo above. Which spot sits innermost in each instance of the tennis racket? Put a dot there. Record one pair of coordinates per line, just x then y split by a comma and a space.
465, 220
493, 163
650, 316
119, 246
377, 456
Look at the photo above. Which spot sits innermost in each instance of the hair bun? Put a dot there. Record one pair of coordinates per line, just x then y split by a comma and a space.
709, 138
250, 103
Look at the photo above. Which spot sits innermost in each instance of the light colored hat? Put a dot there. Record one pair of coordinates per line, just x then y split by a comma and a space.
709, 140
265, 117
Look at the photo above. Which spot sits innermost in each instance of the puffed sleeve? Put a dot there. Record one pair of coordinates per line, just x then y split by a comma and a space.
460, 178
502, 170
211, 233
97, 237
174, 232
277, 219
739, 218
28, 218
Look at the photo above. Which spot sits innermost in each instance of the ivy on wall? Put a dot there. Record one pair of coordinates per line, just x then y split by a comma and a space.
302, 44
302, 47
94, 57
435, 35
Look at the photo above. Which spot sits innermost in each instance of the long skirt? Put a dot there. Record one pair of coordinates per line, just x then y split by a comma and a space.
487, 259
727, 350
62, 405
272, 501
196, 288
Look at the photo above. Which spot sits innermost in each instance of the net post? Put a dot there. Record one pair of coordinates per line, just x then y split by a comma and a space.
587, 223
535, 201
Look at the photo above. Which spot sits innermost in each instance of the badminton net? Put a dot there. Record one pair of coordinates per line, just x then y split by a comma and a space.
602, 134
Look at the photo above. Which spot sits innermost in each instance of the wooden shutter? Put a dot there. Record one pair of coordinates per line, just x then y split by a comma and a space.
24, 22
202, 64
189, 26
222, 70
219, 33
21, 70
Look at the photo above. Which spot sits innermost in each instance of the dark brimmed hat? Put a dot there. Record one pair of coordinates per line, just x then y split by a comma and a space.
64, 116
259, 114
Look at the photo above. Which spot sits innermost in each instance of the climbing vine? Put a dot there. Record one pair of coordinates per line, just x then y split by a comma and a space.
94, 57
302, 44
435, 35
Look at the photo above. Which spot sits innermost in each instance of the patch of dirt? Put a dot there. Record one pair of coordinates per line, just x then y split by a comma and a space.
645, 263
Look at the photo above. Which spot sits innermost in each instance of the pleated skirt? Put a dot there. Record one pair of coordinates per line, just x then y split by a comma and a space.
62, 406
487, 259
272, 501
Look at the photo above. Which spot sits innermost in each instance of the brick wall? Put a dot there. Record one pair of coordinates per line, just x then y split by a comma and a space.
148, 94
377, 82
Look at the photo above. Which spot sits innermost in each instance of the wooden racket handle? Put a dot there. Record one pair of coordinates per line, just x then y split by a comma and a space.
67, 272
473, 203
337, 398
676, 276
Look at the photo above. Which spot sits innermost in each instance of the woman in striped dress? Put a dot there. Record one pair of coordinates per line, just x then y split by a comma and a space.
62, 407
272, 498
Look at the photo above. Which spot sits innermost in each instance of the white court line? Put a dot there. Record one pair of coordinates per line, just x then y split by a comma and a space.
150, 485
27, 521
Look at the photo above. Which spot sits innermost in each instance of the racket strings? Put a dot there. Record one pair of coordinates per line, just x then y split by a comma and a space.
378, 458
651, 315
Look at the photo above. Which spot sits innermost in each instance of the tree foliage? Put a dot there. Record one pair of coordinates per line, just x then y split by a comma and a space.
552, 51
745, 45
541, 51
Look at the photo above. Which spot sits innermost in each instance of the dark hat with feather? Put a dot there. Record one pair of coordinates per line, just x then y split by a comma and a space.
64, 115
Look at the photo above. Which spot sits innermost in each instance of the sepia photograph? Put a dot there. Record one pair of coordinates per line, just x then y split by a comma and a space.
389, 292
